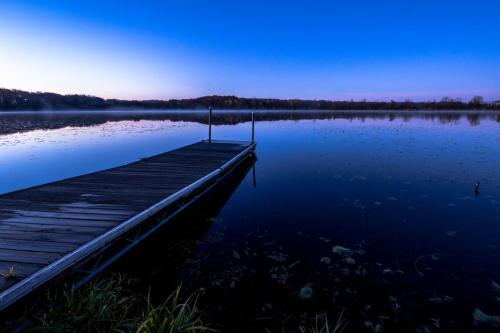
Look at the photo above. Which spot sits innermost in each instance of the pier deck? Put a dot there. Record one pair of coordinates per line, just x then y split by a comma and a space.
50, 229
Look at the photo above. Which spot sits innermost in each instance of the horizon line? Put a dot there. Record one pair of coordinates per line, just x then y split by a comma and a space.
362, 100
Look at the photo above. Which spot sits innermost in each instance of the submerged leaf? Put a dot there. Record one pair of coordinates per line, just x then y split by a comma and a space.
495, 287
326, 260
481, 318
306, 292
340, 250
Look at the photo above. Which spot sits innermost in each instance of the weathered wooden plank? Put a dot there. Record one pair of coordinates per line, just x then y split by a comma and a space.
51, 236
56, 228
145, 175
70, 198
158, 184
42, 207
69, 203
60, 221
36, 245
29, 257
99, 191
60, 215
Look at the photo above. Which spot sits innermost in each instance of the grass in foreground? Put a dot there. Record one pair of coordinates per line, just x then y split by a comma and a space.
106, 305
109, 305
172, 316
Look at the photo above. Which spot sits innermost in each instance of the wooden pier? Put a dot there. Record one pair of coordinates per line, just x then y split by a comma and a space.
49, 230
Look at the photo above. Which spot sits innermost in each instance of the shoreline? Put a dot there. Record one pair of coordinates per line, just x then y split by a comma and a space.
24, 121
198, 111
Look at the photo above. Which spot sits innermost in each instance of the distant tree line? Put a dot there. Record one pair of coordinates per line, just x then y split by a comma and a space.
11, 100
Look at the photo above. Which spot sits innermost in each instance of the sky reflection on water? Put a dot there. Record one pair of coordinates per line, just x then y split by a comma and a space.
399, 194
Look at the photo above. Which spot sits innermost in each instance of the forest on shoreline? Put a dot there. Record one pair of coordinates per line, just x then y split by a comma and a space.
18, 100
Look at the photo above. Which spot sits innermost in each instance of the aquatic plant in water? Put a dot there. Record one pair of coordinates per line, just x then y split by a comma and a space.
495, 287
481, 318
306, 292
340, 250
321, 325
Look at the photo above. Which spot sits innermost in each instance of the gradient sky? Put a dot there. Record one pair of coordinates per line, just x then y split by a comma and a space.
378, 50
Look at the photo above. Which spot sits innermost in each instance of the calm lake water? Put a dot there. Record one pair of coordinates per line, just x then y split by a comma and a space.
374, 217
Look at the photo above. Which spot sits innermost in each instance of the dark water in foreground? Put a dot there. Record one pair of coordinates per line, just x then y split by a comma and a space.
373, 217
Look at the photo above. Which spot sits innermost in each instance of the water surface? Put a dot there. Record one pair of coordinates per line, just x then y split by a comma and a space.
372, 216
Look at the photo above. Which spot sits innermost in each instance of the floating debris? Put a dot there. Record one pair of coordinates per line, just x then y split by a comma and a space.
423, 329
450, 233
267, 307
306, 292
360, 271
481, 318
349, 260
377, 203
360, 252
440, 299
214, 237
279, 274
326, 260
325, 240
495, 287
392, 198
436, 322
236, 255
435, 256
278, 257
294, 264
395, 307
388, 271
340, 250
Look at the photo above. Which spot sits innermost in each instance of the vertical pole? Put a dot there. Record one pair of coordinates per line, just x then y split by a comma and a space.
209, 124
254, 178
253, 129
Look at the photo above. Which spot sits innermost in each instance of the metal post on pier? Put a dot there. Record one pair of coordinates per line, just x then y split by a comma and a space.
209, 124
253, 128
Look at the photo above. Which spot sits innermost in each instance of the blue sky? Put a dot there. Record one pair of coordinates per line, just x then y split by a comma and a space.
378, 50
